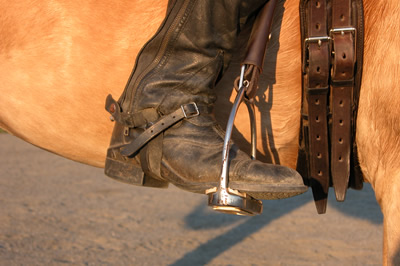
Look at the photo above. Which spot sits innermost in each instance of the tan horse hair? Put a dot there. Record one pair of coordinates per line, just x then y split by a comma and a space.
60, 59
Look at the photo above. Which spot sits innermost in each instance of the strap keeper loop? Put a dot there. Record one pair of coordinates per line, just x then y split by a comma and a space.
319, 91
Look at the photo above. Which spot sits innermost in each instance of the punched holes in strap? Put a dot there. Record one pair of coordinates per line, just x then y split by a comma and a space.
318, 141
341, 140
344, 38
317, 69
185, 111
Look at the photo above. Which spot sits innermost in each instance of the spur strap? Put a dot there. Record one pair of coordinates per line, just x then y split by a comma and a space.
332, 33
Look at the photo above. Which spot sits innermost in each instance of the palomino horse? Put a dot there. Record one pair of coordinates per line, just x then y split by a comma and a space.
60, 59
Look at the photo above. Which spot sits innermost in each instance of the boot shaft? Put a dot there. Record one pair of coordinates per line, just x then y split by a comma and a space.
187, 55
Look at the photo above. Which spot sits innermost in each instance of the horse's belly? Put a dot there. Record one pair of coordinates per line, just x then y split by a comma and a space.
58, 63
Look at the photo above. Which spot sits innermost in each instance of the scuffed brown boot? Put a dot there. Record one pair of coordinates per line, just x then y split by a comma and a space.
165, 130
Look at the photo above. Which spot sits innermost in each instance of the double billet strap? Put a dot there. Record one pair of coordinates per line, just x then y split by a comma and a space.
329, 30
152, 130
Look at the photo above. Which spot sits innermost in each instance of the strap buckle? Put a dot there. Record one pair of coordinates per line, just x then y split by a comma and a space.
190, 110
317, 40
342, 31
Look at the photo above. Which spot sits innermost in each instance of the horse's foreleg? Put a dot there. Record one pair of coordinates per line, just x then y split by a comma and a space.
391, 210
386, 191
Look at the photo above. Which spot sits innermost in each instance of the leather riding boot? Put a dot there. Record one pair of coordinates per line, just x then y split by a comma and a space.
165, 130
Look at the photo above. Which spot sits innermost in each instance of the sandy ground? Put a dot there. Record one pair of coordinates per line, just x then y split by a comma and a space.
57, 212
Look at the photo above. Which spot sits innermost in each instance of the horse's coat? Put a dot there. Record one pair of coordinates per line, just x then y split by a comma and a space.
59, 60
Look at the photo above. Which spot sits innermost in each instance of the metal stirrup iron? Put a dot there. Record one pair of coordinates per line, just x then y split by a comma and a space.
223, 198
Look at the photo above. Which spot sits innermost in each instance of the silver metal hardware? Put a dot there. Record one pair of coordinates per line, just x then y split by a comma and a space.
317, 40
223, 198
126, 131
190, 113
233, 202
343, 30
253, 126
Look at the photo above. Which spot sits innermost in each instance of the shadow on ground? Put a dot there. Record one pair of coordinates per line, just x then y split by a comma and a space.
355, 206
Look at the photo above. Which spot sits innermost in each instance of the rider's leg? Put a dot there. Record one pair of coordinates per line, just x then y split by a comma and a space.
175, 73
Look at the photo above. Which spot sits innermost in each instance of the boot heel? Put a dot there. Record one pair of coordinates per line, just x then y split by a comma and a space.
130, 173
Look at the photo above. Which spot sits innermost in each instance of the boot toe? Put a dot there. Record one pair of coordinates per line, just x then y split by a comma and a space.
192, 161
266, 181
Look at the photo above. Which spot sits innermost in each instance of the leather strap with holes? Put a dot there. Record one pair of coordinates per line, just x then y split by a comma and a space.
342, 84
331, 68
316, 85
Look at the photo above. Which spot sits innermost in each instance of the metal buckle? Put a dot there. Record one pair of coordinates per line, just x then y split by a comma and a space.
342, 31
126, 131
317, 40
190, 110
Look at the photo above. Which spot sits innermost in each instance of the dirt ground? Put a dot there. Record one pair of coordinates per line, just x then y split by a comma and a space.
57, 212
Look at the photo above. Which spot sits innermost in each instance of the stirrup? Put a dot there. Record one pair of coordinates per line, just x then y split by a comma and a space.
223, 198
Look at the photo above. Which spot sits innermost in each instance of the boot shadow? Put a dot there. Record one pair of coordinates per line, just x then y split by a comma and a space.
360, 206
247, 226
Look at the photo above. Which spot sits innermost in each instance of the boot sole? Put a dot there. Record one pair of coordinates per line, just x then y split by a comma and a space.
262, 192
130, 173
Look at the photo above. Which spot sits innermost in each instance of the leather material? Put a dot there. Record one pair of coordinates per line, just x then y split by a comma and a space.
259, 37
332, 43
341, 93
179, 66
256, 49
183, 61
356, 175
316, 82
185, 111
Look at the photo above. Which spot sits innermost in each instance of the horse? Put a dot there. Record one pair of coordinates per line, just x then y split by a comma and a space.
60, 59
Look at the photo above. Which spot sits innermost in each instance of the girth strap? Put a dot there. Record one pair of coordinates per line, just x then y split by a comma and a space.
331, 32
316, 85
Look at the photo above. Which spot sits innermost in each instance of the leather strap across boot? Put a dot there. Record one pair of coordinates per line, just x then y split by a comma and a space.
165, 130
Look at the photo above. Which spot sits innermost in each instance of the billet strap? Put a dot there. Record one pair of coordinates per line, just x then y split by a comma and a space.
343, 35
316, 47
332, 35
